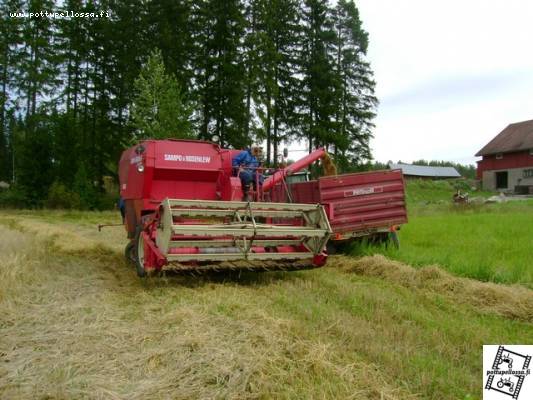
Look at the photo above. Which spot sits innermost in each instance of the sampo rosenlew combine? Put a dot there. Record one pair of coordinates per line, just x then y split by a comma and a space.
184, 206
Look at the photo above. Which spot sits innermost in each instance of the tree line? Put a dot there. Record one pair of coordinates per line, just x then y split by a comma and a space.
268, 71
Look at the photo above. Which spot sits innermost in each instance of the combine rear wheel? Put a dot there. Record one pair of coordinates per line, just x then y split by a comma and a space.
139, 256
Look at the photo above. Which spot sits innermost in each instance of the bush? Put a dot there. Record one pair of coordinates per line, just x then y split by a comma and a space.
465, 185
14, 197
106, 201
84, 187
60, 197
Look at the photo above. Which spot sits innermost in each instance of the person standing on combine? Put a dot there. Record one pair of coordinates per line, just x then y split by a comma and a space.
245, 164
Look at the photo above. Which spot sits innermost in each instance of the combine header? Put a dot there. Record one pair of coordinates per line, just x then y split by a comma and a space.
183, 206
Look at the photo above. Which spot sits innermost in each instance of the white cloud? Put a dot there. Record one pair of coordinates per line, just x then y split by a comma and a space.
450, 74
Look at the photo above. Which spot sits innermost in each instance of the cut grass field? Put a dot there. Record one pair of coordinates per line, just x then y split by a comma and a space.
489, 242
425, 191
77, 323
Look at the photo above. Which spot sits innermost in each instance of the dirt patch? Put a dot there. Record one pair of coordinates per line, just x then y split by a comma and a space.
511, 301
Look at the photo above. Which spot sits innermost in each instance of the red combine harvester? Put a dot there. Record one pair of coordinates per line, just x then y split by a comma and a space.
184, 207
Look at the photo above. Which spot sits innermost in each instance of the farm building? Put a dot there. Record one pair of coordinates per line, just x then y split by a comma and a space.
428, 172
507, 163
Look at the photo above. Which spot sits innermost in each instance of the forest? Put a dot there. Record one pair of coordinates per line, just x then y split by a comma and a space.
76, 91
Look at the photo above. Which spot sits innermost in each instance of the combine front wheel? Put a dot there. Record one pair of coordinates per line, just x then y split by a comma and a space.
129, 252
139, 256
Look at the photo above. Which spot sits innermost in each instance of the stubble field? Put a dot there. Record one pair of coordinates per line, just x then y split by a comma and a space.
76, 322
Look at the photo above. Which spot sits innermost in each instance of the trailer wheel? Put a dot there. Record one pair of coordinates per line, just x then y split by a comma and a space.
394, 239
139, 253
332, 248
129, 252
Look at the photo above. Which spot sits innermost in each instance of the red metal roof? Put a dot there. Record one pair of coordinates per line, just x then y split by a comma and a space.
516, 137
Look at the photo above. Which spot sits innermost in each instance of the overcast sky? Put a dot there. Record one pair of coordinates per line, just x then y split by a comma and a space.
450, 74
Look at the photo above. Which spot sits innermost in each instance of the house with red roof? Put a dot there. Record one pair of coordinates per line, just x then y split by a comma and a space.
507, 163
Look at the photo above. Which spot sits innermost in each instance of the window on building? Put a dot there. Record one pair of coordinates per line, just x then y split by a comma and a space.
499, 156
528, 173
531, 152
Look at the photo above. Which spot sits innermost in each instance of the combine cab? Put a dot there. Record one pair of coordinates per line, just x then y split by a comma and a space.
184, 208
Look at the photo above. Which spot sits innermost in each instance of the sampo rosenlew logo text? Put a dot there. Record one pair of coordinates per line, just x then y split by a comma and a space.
188, 158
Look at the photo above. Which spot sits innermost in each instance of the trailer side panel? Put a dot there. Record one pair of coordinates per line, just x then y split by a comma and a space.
362, 203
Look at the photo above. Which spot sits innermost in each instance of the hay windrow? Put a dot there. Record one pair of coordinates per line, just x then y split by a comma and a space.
510, 301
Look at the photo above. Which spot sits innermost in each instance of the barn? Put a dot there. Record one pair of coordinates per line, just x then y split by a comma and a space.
426, 172
507, 163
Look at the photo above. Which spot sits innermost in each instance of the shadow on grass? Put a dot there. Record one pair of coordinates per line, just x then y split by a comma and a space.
119, 268
193, 279
111, 267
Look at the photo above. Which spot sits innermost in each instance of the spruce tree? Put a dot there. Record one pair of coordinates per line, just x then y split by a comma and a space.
72, 37
356, 102
278, 41
39, 73
34, 157
10, 55
158, 110
169, 29
245, 70
319, 82
251, 62
220, 78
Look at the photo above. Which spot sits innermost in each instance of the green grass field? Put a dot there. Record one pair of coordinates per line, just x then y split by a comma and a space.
489, 242
421, 192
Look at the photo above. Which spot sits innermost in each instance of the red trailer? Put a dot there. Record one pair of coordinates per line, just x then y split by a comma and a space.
367, 204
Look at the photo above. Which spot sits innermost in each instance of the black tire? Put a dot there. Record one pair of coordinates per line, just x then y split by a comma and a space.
139, 253
129, 252
331, 248
394, 239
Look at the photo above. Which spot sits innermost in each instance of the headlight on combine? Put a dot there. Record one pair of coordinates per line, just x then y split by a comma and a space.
140, 167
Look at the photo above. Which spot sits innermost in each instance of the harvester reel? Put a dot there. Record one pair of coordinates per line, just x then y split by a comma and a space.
215, 234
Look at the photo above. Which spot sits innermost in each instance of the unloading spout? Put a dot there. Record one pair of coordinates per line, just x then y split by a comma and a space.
278, 176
